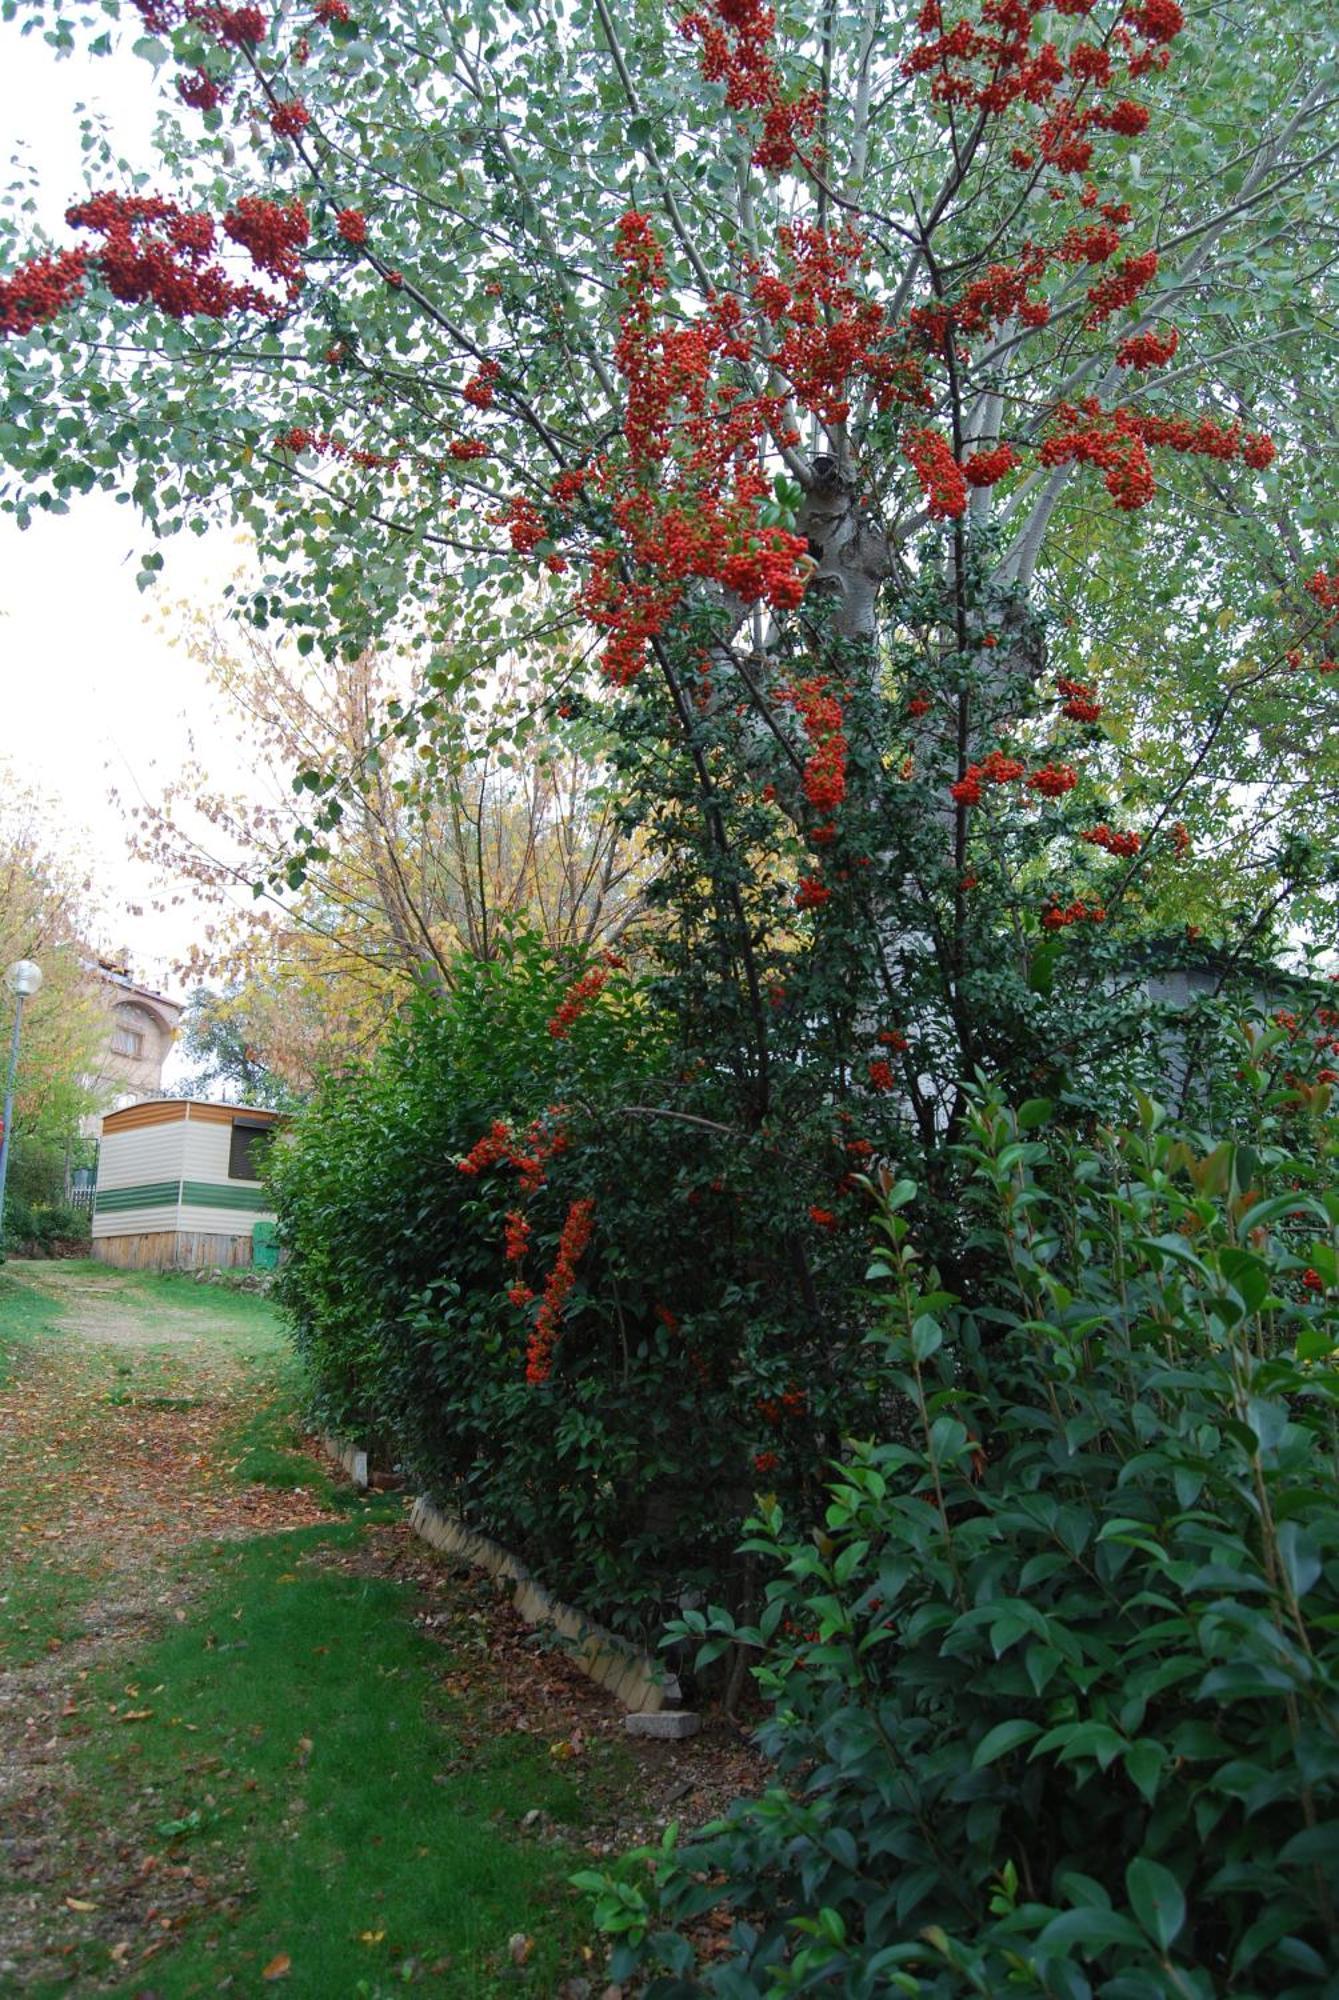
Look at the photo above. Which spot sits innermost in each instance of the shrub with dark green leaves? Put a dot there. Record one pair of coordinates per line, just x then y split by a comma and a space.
40, 1229
706, 1335
1054, 1687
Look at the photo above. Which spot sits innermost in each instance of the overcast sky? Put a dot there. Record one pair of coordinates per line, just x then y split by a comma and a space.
92, 693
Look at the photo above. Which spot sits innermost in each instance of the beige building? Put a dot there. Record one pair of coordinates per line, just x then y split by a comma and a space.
141, 1028
179, 1185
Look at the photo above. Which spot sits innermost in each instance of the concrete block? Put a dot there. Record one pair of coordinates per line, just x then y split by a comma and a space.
669, 1725
349, 1456
630, 1676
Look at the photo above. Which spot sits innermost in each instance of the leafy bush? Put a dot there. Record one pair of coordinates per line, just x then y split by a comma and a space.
606, 1408
38, 1229
1054, 1688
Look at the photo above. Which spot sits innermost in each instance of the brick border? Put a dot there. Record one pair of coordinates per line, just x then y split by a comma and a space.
631, 1676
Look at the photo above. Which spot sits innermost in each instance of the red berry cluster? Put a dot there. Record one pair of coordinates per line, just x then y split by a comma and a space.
478, 391
995, 70
200, 90
155, 253
464, 450
576, 1234
1058, 917
1080, 702
524, 523
987, 468
1124, 844
1052, 781
529, 1154
300, 438
792, 1402
1147, 350
1116, 441
290, 119
941, 476
1323, 589
233, 27
40, 289
736, 38
574, 1001
994, 769
824, 777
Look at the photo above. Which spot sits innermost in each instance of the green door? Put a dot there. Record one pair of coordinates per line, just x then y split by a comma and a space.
264, 1246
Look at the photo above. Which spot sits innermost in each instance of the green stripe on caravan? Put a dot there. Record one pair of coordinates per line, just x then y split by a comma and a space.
224, 1194
147, 1194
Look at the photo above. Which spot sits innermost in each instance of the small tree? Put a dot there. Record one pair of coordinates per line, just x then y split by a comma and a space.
46, 915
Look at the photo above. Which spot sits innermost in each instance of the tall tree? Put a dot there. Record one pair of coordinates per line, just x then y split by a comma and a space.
47, 914
799, 360
439, 837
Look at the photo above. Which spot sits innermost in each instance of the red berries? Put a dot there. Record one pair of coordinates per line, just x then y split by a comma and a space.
1124, 844
940, 475
478, 391
1080, 703
1058, 917
575, 1000
1147, 350
575, 1236
199, 90
1156, 20
995, 769
987, 468
40, 289
524, 523
351, 224
290, 119
1053, 780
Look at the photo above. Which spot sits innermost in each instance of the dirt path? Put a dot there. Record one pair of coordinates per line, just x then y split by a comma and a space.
117, 1422
138, 1421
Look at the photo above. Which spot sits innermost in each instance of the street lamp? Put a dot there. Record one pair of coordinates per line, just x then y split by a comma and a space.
23, 980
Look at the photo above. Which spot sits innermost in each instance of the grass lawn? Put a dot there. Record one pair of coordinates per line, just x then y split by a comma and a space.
278, 1776
291, 1744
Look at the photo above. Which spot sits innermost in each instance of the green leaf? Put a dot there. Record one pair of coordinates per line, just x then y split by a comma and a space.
1004, 1737
1156, 1899
1144, 1761
1090, 1928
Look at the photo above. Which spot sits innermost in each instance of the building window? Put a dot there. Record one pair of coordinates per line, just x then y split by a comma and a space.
127, 1041
247, 1151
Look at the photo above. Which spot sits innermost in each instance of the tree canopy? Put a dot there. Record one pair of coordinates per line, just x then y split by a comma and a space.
842, 384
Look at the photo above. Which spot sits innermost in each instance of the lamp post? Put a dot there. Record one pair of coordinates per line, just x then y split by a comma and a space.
23, 980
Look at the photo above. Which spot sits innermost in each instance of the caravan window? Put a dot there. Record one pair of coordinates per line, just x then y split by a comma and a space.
247, 1149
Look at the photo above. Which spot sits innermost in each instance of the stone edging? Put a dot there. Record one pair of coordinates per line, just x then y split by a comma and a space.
350, 1456
632, 1677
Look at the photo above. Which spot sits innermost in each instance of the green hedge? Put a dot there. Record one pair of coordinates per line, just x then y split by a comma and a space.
713, 1338
1054, 1686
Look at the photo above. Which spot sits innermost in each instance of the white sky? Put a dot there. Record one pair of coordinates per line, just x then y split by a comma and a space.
92, 693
